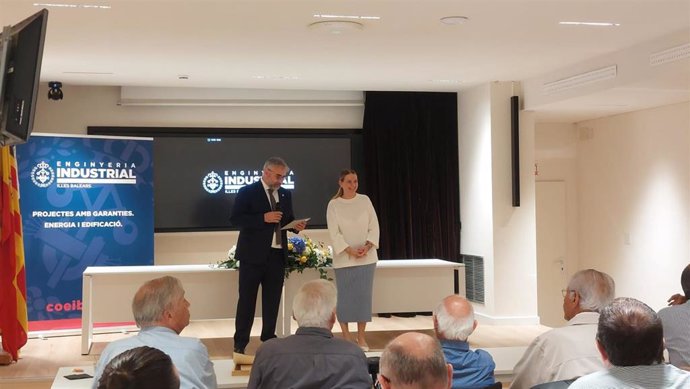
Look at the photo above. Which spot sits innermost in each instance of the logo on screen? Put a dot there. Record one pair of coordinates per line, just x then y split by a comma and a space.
233, 180
42, 175
212, 182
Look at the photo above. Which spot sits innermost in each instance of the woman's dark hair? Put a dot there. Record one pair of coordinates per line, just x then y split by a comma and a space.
685, 281
140, 368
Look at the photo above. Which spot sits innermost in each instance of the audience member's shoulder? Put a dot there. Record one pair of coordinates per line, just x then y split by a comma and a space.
190, 342
484, 354
674, 309
348, 346
589, 381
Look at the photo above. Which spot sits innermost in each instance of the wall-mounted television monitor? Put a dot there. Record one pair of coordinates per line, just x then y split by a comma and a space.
20, 69
198, 172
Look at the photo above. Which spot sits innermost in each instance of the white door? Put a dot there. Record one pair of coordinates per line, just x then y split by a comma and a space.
551, 251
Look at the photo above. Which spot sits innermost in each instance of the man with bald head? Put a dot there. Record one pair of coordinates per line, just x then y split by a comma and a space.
453, 323
569, 352
414, 361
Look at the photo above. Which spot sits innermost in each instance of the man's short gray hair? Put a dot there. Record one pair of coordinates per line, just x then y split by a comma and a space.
451, 327
314, 304
276, 161
153, 298
422, 365
596, 289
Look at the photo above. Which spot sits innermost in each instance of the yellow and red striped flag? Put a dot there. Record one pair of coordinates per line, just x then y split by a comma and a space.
13, 318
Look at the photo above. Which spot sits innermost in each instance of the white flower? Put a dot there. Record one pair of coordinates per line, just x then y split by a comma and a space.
231, 252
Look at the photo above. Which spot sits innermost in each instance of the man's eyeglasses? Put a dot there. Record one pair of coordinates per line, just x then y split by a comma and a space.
278, 176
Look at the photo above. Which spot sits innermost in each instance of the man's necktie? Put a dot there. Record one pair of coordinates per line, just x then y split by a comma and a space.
279, 239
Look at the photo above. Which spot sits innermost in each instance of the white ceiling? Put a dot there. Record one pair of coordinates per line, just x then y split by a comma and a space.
261, 44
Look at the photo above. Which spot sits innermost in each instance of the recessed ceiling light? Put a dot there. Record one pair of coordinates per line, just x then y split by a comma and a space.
446, 81
351, 17
63, 5
454, 20
261, 77
91, 73
594, 24
337, 27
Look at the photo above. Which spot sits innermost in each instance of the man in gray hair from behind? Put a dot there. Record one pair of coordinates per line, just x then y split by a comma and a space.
453, 323
414, 361
312, 357
569, 352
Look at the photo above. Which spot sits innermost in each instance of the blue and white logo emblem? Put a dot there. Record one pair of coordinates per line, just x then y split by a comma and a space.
212, 183
42, 175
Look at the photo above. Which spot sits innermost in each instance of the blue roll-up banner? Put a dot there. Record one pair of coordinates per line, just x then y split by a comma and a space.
85, 201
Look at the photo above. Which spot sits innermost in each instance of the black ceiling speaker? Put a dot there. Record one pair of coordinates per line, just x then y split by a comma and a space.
515, 147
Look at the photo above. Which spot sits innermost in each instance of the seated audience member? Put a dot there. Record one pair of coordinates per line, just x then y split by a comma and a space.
140, 368
162, 312
568, 352
312, 357
453, 323
675, 320
414, 361
631, 342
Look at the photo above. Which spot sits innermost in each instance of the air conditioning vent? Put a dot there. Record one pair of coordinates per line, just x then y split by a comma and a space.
670, 55
580, 80
474, 278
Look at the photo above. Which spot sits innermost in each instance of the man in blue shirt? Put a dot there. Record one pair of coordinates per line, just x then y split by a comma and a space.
453, 323
161, 312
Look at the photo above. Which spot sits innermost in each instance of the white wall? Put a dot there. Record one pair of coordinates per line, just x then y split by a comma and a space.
634, 200
628, 196
492, 228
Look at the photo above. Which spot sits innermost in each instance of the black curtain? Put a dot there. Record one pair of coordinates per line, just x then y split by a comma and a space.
411, 163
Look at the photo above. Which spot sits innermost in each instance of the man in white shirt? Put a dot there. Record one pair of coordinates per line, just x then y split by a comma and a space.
569, 352
161, 312
630, 340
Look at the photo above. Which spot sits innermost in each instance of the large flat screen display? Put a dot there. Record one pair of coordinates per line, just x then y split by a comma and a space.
196, 178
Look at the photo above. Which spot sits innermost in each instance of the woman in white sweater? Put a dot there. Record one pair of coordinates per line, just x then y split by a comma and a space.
354, 230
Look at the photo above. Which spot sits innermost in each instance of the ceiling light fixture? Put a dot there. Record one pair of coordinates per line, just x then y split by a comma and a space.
353, 17
260, 77
446, 81
593, 24
337, 27
62, 5
454, 20
91, 73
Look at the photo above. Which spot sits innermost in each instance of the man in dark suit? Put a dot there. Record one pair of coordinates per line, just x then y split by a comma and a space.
260, 210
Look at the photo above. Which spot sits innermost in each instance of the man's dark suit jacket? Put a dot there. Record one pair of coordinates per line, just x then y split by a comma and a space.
256, 236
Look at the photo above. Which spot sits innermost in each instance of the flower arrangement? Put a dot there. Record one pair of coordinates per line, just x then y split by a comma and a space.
303, 253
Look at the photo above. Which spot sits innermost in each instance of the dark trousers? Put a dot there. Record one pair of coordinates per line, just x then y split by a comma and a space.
270, 276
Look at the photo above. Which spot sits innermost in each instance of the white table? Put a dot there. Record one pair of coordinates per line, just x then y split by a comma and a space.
222, 367
400, 285
108, 291
413, 285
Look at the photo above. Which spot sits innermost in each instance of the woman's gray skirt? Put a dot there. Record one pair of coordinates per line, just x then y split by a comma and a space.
355, 285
